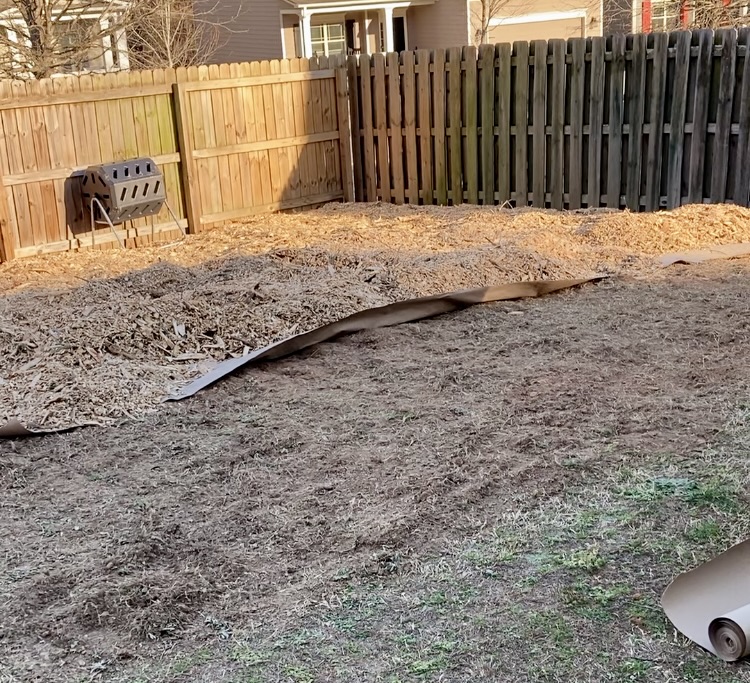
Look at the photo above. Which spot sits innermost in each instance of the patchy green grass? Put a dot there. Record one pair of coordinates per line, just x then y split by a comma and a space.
566, 589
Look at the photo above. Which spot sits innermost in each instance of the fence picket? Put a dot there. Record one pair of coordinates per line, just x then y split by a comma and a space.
577, 84
719, 171
676, 144
424, 92
656, 121
557, 138
635, 95
410, 126
354, 100
471, 161
487, 99
395, 123
381, 124
616, 111
696, 175
742, 160
521, 51
439, 110
503, 105
369, 173
454, 110
596, 123
539, 164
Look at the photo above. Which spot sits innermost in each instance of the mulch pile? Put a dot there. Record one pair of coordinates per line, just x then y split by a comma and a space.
98, 336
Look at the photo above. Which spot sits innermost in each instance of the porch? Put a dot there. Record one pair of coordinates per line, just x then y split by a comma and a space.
335, 28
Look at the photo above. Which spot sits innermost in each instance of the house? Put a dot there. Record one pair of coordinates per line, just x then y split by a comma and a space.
651, 16
83, 36
274, 29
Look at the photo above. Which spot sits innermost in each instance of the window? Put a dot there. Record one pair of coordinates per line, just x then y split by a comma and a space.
81, 44
328, 39
77, 43
662, 15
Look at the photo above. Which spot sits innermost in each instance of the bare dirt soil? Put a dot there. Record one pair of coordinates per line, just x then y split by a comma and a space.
96, 337
495, 495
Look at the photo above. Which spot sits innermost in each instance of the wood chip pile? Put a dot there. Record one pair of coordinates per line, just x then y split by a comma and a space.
99, 336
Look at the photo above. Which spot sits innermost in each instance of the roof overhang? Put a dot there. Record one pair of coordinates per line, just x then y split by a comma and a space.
73, 8
352, 5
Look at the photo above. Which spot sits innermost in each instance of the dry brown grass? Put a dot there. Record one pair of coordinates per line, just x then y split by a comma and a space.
498, 495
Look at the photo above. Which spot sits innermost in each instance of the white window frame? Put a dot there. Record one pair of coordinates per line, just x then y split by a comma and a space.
665, 18
326, 40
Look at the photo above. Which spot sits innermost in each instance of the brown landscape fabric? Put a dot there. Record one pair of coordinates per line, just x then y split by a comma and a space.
13, 428
711, 604
730, 634
382, 316
720, 251
368, 319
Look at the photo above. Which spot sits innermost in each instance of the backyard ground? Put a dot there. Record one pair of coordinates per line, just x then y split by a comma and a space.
500, 494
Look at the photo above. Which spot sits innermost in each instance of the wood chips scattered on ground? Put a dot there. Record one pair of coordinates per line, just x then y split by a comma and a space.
99, 336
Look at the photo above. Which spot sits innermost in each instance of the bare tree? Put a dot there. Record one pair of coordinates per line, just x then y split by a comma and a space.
715, 14
171, 33
482, 14
43, 37
39, 38
674, 15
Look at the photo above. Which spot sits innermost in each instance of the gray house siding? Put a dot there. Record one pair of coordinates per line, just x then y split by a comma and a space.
618, 16
444, 24
250, 30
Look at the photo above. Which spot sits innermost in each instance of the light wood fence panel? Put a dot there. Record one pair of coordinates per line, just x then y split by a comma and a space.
231, 140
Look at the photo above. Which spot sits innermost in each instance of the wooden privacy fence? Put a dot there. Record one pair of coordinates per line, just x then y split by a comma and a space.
232, 140
640, 121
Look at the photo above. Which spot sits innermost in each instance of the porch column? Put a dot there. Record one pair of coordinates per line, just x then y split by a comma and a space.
109, 59
305, 27
122, 49
388, 19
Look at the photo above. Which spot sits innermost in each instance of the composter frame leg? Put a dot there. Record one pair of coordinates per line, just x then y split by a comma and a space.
175, 219
106, 220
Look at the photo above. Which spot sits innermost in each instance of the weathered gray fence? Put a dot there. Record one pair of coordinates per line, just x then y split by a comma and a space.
640, 121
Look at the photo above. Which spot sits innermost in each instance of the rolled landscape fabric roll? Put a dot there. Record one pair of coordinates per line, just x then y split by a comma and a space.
712, 602
730, 634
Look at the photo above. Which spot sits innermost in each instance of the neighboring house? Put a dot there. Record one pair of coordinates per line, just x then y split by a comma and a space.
272, 29
73, 22
651, 16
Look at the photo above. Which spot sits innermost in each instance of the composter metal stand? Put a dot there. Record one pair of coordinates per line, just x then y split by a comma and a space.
123, 191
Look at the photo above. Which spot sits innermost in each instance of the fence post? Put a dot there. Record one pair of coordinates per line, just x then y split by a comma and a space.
187, 165
345, 133
6, 238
